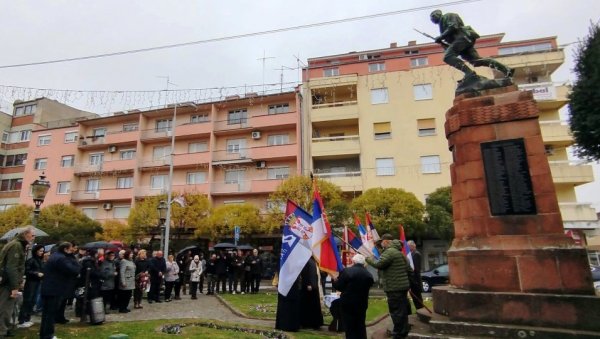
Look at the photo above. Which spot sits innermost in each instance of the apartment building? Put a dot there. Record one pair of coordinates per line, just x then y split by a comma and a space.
17, 130
376, 119
234, 150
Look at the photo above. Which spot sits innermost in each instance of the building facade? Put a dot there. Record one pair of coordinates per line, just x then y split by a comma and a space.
376, 119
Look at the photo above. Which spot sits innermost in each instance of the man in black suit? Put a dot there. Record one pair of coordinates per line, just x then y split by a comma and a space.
354, 282
416, 285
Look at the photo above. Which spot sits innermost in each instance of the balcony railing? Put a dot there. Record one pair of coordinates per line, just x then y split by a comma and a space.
146, 191
347, 181
242, 154
243, 186
105, 194
334, 111
87, 167
164, 161
156, 133
556, 132
335, 145
571, 172
232, 124
574, 211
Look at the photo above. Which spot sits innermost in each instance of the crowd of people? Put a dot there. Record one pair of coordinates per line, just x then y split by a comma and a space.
70, 275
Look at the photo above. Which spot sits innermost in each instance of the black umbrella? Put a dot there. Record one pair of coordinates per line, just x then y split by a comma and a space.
195, 250
12, 233
224, 245
98, 244
245, 247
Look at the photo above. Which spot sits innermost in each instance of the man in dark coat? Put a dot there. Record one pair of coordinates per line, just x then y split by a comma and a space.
221, 271
256, 266
59, 271
354, 282
310, 300
157, 269
416, 285
12, 261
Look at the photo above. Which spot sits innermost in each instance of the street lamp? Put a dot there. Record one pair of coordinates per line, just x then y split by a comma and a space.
162, 216
39, 189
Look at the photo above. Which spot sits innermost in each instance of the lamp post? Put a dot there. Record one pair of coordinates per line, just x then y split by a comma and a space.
162, 216
39, 189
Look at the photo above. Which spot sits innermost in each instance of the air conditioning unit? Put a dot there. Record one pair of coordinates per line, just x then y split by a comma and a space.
549, 149
261, 164
107, 206
256, 135
112, 149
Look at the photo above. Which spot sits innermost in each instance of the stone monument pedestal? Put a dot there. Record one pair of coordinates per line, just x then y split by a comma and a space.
510, 262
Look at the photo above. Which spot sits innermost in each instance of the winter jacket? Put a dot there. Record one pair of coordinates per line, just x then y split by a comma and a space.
108, 269
60, 273
33, 266
195, 271
394, 268
126, 275
12, 259
172, 271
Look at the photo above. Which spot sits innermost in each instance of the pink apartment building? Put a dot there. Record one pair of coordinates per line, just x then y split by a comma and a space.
235, 150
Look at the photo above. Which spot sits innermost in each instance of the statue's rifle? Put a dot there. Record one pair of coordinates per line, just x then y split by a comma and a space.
444, 44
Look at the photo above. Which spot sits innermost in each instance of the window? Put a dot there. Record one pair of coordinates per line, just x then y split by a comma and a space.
16, 159
197, 118
418, 62
11, 184
423, 92
163, 125
379, 96
382, 130
125, 182
376, 67
426, 127
278, 139
278, 173
70, 137
384, 166
546, 46
63, 187
4, 136
44, 140
129, 127
67, 161
127, 154
121, 212
196, 178
278, 109
331, 72
195, 147
99, 132
238, 116
159, 182
236, 145
234, 176
92, 185
96, 158
25, 110
19, 136
40, 164
90, 212
161, 153
430, 164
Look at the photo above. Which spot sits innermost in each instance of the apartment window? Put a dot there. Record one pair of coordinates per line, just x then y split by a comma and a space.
40, 164
377, 67
121, 212
331, 72
127, 154
96, 158
161, 152
163, 125
129, 127
16, 159
25, 110
546, 46
90, 212
430, 164
67, 161
384, 166
278, 109
19, 136
278, 173
159, 182
125, 182
11, 184
382, 130
234, 176
195, 147
379, 96
44, 140
418, 62
99, 132
1, 160
63, 187
426, 127
238, 116
92, 185
194, 178
236, 145
423, 92
198, 118
4, 136
278, 139
70, 137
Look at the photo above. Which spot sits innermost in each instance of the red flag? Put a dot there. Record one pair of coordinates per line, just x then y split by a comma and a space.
405, 248
324, 247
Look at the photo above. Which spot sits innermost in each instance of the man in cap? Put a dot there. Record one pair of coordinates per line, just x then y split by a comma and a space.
12, 268
394, 267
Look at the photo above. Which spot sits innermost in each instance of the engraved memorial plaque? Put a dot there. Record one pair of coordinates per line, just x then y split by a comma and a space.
507, 177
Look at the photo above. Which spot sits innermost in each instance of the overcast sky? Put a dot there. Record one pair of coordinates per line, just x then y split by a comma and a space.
34, 31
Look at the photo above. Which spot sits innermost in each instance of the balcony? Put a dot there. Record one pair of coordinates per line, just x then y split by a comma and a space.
126, 165
274, 152
155, 134
342, 80
148, 164
347, 181
121, 137
92, 142
265, 186
111, 194
225, 157
87, 168
556, 133
243, 186
328, 146
232, 125
571, 172
578, 215
274, 120
543, 62
334, 111
193, 129
191, 159
147, 191
548, 96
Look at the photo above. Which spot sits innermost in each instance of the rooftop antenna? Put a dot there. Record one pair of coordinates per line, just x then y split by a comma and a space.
280, 69
264, 58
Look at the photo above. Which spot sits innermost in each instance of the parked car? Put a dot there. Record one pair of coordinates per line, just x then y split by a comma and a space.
437, 276
596, 277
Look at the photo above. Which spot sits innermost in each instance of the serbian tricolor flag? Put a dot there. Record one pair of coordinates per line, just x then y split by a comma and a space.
295, 246
357, 244
366, 237
324, 248
372, 229
405, 248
